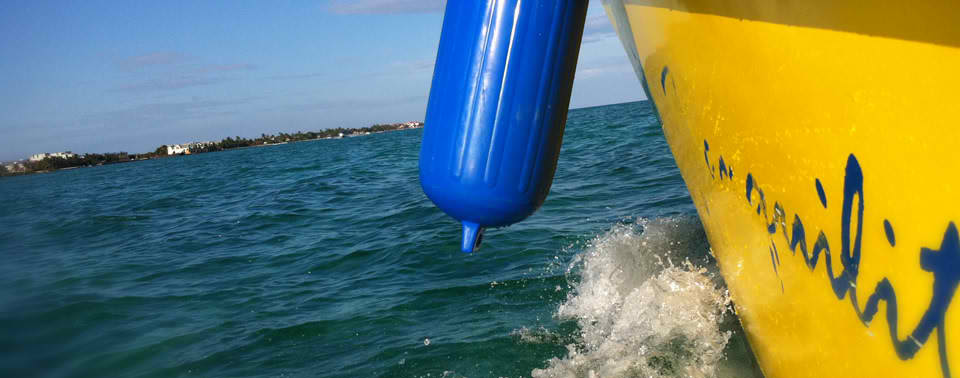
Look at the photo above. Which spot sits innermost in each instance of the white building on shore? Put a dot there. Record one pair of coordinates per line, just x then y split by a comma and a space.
177, 149
14, 166
65, 155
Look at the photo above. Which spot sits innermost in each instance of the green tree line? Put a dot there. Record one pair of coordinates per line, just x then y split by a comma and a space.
87, 160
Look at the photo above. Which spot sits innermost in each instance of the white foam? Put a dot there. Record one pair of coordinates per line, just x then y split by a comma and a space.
639, 313
539, 335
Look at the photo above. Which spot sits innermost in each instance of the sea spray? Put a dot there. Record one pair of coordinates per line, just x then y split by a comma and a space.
644, 306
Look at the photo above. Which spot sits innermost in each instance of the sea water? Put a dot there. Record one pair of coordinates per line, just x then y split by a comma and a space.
325, 259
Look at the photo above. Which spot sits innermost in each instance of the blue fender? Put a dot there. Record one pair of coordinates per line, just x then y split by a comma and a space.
497, 108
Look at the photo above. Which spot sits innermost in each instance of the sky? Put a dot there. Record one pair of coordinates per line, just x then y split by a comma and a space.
110, 76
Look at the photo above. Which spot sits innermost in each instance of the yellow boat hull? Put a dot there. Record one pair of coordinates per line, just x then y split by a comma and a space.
819, 141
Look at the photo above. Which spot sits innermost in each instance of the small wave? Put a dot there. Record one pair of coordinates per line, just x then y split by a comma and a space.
645, 305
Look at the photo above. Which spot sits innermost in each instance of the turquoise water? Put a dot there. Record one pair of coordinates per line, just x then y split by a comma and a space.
324, 259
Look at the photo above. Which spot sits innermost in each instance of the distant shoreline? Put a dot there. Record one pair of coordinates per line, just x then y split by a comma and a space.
57, 163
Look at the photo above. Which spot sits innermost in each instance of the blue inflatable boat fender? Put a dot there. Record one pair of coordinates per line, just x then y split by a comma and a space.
497, 108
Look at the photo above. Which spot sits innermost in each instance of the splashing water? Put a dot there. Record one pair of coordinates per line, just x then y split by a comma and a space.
645, 305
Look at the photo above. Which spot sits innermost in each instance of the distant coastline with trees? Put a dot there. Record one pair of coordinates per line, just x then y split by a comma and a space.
54, 163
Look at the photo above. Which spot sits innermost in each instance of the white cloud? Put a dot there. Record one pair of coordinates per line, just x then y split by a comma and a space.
603, 66
387, 6
597, 28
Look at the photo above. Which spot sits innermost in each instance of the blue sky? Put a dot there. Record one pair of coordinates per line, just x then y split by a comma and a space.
106, 76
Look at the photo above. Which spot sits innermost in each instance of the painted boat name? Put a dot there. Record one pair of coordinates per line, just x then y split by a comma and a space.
943, 263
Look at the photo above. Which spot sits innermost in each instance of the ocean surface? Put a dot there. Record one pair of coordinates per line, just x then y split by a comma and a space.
325, 259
